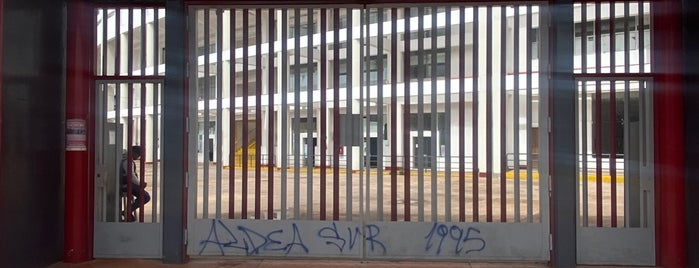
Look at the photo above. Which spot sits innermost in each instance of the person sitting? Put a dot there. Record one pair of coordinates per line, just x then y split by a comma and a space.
138, 190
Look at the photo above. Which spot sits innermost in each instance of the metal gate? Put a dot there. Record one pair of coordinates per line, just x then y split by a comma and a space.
127, 121
616, 223
380, 132
128, 158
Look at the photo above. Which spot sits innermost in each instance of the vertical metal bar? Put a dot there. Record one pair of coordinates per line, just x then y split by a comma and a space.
143, 144
297, 111
283, 116
363, 21
579, 136
258, 110
583, 37
117, 42
143, 113
156, 137
105, 40
628, 218
585, 136
612, 38
130, 49
231, 113
323, 110
612, 155
598, 112
612, 111
270, 112
462, 113
365, 109
641, 38
627, 60
143, 41
394, 116
503, 113
246, 112
205, 129
156, 44
310, 126
406, 117
350, 101
515, 112
447, 114
530, 117
489, 115
421, 113
130, 163
118, 152
474, 113
336, 113
433, 115
379, 111
219, 109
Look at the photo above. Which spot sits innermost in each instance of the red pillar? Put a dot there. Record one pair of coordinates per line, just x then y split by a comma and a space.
2, 8
78, 190
671, 247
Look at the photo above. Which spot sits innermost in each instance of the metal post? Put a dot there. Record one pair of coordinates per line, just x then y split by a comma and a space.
671, 246
563, 171
174, 151
78, 194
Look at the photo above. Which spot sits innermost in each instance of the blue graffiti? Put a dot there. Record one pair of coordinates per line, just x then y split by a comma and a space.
371, 238
465, 243
333, 237
442, 238
252, 242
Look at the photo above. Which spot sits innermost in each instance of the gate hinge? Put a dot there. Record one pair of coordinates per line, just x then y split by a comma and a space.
186, 237
550, 242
